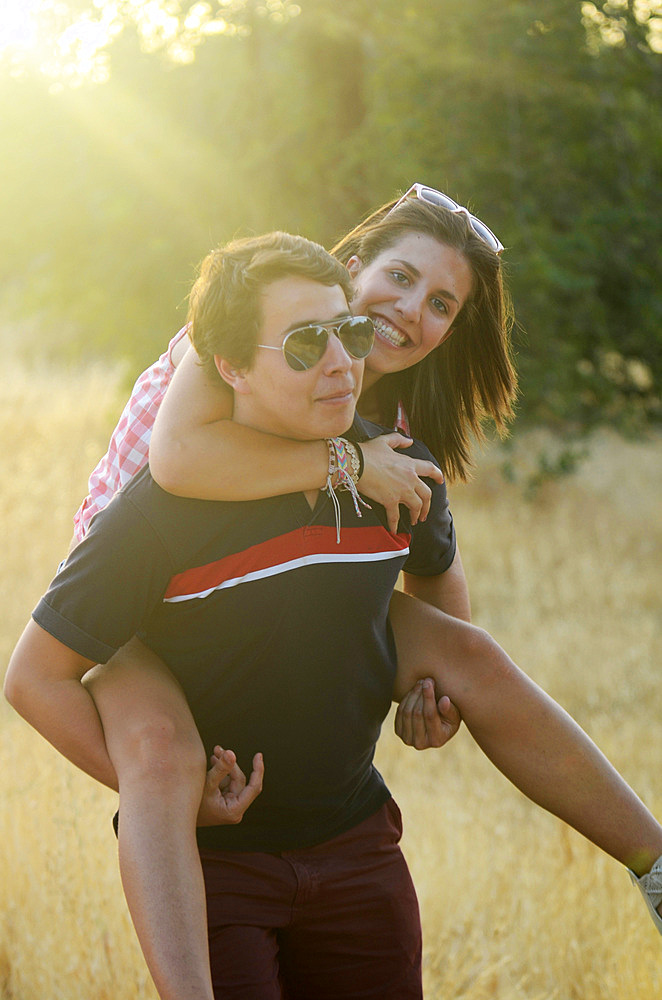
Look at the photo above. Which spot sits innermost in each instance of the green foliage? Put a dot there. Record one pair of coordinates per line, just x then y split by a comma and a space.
543, 115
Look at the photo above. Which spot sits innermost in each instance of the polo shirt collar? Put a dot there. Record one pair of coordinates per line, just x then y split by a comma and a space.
364, 430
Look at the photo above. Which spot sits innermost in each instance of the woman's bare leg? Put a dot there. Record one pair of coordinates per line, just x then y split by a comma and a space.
154, 745
523, 731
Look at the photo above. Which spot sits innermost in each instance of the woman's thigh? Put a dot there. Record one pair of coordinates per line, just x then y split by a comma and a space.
141, 703
424, 636
459, 657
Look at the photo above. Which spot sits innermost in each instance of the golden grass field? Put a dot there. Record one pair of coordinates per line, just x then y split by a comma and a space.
515, 906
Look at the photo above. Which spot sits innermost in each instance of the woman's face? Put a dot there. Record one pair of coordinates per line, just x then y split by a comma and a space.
412, 292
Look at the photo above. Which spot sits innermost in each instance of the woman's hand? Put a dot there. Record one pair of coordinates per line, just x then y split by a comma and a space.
393, 479
423, 722
227, 795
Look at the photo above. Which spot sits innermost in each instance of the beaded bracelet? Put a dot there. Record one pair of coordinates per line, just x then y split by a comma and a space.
353, 463
359, 452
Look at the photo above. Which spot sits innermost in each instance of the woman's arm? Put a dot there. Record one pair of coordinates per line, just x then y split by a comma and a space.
197, 450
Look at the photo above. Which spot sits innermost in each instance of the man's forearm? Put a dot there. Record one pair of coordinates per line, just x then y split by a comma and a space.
43, 685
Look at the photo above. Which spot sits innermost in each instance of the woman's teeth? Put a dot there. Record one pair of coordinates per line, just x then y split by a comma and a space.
389, 333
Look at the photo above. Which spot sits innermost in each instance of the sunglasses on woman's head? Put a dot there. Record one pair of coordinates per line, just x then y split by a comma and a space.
434, 197
304, 347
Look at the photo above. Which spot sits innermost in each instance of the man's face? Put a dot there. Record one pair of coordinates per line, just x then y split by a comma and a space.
312, 404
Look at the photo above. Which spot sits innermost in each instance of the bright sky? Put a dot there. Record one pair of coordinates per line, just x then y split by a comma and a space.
17, 28
77, 53
73, 54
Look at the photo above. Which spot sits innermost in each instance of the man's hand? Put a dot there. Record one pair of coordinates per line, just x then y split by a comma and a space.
423, 722
227, 796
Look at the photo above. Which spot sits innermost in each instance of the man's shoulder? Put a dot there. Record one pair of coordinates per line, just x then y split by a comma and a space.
179, 522
142, 484
145, 493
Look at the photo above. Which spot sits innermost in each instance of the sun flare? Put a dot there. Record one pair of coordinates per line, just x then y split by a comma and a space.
18, 29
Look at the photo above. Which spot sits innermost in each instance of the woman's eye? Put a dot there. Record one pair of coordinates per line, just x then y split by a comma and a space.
400, 277
439, 305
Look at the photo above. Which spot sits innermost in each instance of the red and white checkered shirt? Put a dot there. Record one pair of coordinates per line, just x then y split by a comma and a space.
129, 445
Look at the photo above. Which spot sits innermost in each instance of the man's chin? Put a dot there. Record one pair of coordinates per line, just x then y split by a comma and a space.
330, 420
336, 428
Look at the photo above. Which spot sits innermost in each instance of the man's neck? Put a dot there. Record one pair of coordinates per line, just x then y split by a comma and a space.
369, 403
312, 497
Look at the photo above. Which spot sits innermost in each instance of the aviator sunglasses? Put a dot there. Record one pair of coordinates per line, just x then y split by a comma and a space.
434, 197
304, 347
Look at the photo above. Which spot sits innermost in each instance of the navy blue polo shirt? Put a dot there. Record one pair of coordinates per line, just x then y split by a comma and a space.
278, 635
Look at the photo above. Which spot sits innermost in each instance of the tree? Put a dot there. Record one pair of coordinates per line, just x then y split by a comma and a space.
225, 117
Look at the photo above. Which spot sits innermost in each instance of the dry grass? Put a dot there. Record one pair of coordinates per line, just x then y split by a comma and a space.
515, 906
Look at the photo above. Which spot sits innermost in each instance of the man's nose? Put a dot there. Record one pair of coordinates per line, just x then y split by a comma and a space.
336, 358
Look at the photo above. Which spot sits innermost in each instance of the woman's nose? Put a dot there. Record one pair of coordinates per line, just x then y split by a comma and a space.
410, 304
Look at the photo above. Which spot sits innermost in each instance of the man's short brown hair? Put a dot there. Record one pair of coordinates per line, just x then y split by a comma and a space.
224, 315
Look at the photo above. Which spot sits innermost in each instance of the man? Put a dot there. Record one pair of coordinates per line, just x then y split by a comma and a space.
272, 614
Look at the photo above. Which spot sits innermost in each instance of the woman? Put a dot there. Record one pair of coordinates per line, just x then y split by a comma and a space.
422, 270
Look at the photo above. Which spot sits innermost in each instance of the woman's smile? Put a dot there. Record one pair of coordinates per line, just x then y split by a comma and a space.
413, 292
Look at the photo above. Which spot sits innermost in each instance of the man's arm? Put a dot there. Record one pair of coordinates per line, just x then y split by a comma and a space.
447, 591
431, 717
43, 684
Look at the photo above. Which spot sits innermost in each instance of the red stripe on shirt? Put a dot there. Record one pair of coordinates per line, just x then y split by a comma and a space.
317, 543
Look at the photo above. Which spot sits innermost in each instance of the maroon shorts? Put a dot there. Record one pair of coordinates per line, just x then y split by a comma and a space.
338, 921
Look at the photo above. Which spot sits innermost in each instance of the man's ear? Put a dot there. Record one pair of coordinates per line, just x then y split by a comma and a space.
232, 376
354, 265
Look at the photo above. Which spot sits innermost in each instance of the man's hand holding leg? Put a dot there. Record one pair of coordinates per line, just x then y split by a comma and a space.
422, 721
227, 795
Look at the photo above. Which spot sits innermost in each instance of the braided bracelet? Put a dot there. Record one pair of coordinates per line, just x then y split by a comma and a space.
345, 459
345, 468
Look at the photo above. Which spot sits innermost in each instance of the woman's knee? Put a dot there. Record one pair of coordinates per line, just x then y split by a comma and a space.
481, 657
149, 730
159, 746
146, 719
